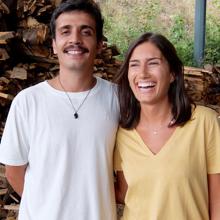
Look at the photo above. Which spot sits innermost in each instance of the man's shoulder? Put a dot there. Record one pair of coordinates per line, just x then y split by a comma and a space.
105, 81
30, 91
106, 84
35, 87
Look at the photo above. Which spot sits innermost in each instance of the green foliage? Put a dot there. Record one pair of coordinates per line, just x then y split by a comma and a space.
179, 35
123, 28
212, 50
126, 20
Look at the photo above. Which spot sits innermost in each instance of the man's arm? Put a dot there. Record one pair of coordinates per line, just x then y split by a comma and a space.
214, 196
15, 176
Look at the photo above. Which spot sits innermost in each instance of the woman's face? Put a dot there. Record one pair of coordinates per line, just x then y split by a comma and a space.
149, 74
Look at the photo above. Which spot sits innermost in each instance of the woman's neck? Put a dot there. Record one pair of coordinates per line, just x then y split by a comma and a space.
156, 114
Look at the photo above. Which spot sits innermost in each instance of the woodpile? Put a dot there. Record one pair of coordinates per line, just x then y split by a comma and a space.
203, 85
9, 200
26, 58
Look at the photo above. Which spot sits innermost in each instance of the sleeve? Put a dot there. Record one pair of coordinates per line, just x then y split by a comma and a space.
213, 146
14, 143
117, 159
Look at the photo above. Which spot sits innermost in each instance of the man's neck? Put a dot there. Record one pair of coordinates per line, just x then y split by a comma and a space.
73, 82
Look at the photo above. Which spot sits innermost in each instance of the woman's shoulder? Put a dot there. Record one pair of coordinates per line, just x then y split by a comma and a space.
201, 111
123, 132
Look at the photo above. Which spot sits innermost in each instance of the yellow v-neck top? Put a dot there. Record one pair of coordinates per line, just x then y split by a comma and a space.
171, 185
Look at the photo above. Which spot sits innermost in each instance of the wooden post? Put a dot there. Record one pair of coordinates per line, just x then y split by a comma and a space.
199, 35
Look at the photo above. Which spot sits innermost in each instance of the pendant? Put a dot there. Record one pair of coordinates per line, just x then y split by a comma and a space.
76, 115
155, 132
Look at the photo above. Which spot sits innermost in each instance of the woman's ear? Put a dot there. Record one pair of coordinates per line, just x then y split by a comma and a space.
172, 78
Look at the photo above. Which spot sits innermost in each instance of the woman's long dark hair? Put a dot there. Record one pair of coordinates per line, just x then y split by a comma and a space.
130, 106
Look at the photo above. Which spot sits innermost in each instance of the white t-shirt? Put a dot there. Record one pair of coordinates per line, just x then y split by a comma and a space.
70, 169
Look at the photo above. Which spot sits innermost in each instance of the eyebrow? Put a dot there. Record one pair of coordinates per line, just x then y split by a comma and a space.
88, 26
150, 59
64, 27
81, 27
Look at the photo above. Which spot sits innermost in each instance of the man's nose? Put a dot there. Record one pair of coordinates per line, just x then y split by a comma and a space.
75, 37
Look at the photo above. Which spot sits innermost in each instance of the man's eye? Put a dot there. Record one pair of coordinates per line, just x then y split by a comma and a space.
86, 32
64, 32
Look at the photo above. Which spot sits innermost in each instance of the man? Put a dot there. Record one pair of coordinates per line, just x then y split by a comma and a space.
59, 136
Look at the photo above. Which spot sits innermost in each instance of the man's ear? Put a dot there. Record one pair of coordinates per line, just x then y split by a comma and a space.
99, 47
54, 46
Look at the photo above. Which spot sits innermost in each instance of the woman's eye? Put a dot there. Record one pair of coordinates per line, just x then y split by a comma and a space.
153, 63
133, 65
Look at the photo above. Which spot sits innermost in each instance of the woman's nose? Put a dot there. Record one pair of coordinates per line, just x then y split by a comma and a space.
144, 71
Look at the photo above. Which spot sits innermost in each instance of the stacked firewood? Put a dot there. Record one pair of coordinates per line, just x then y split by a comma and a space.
9, 200
203, 85
213, 91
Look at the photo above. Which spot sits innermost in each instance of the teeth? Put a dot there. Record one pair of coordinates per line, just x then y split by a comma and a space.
146, 84
74, 52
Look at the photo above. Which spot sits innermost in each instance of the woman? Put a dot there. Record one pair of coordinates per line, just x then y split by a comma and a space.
167, 157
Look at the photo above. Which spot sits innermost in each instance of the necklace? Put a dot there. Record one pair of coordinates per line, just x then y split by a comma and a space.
75, 110
156, 131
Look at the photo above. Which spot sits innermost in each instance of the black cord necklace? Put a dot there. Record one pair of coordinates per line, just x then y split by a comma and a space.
75, 110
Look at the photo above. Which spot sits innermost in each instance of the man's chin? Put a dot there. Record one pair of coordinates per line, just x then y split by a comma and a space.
77, 68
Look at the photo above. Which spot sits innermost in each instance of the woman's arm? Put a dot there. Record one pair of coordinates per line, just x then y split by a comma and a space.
120, 187
15, 176
214, 196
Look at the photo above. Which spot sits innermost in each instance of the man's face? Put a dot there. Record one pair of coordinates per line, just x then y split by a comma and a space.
76, 43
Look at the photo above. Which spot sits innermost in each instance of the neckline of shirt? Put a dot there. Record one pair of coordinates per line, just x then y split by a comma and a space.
73, 94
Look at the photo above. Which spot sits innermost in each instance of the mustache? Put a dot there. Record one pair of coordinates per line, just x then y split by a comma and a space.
76, 47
